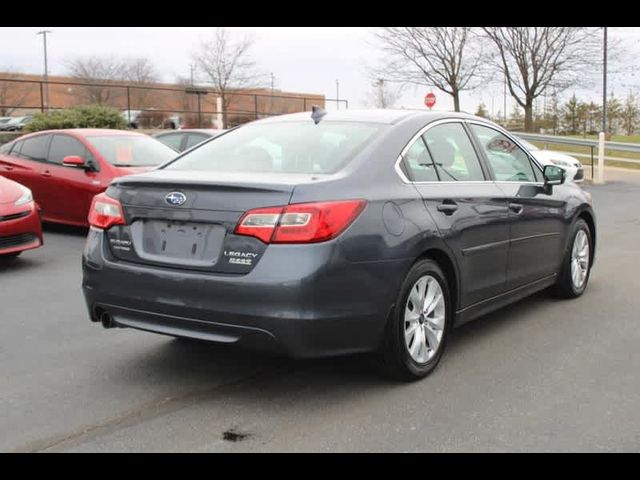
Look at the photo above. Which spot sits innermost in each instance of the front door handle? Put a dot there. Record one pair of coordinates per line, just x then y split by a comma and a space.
448, 208
46, 173
8, 168
516, 208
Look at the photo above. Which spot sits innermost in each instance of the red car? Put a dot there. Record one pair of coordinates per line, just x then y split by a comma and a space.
20, 227
65, 168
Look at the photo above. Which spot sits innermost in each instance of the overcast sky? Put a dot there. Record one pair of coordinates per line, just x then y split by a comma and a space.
303, 59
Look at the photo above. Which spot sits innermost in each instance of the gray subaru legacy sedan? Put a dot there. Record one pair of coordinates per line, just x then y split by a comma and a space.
331, 233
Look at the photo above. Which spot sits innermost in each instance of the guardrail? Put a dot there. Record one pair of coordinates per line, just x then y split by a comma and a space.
618, 146
593, 145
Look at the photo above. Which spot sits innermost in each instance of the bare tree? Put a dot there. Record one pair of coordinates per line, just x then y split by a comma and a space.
140, 73
448, 58
99, 72
534, 59
12, 94
630, 114
227, 65
382, 95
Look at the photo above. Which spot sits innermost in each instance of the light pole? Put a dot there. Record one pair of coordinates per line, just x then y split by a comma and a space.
338, 94
45, 100
604, 83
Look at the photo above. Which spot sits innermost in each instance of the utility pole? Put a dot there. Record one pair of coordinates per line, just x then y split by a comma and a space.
46, 68
338, 94
272, 82
604, 83
192, 69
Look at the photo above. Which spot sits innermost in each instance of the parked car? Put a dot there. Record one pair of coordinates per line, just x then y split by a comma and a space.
66, 168
182, 140
20, 227
150, 118
4, 120
16, 124
372, 231
571, 165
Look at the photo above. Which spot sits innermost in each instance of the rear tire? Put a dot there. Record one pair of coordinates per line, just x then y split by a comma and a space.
576, 264
417, 331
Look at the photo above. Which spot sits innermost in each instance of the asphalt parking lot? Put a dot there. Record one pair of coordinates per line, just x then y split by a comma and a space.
541, 375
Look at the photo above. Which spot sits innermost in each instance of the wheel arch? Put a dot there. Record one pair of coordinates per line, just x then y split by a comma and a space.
591, 223
448, 265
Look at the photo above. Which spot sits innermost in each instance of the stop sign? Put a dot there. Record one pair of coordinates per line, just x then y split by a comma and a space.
430, 100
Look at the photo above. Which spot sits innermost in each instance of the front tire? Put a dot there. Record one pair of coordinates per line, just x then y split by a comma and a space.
576, 265
417, 330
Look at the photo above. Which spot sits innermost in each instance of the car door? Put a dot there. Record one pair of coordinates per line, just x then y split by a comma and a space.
71, 189
469, 209
24, 163
536, 213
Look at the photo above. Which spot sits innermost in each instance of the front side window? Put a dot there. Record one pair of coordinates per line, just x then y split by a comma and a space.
281, 147
65, 146
35, 148
418, 164
453, 153
509, 162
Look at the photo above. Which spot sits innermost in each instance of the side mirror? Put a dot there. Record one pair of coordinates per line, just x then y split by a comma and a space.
553, 175
74, 161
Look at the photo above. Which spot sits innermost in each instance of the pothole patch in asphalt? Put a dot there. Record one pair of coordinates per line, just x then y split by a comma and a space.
233, 435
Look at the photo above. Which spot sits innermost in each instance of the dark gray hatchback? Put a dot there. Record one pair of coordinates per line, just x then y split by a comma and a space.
370, 231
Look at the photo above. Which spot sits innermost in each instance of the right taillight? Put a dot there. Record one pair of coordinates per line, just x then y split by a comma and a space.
300, 223
105, 212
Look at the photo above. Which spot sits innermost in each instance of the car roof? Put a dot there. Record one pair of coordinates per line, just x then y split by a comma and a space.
207, 131
383, 116
92, 132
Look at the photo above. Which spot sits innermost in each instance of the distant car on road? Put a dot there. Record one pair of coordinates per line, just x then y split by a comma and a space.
20, 227
571, 165
182, 140
16, 124
66, 168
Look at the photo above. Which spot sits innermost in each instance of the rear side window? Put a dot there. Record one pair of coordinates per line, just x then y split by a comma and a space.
65, 146
453, 153
194, 139
281, 147
418, 164
173, 140
35, 148
6, 148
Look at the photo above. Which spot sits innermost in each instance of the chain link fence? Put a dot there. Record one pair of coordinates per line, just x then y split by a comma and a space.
155, 106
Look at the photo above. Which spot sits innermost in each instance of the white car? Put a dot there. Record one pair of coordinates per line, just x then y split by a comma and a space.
571, 165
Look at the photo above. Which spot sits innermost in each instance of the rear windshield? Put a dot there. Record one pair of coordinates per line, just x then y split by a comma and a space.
132, 150
286, 147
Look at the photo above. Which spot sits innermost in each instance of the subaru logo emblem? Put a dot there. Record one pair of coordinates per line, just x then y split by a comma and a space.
175, 199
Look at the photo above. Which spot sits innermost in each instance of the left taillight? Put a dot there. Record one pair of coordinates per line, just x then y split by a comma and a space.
300, 223
105, 212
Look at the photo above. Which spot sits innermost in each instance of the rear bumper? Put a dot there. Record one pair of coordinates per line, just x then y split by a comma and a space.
301, 300
20, 229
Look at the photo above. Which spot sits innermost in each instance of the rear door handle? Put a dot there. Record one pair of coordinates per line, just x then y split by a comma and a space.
448, 208
8, 168
46, 173
516, 208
